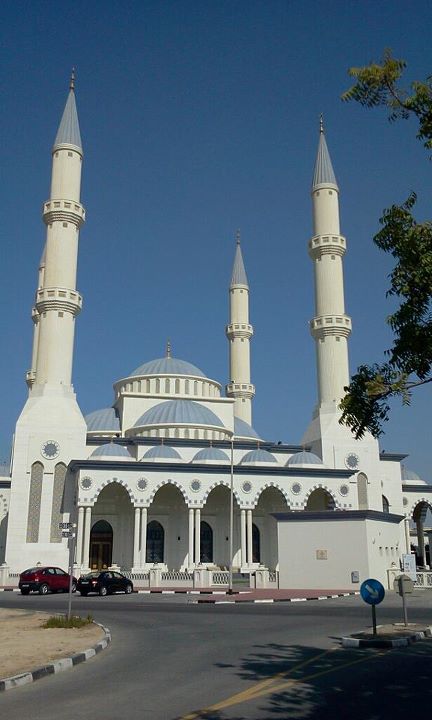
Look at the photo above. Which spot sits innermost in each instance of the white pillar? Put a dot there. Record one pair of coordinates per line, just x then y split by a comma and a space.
79, 543
191, 538
243, 537
136, 537
421, 540
86, 543
197, 536
249, 537
407, 535
143, 549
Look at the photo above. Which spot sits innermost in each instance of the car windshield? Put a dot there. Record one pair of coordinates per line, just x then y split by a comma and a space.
30, 571
90, 575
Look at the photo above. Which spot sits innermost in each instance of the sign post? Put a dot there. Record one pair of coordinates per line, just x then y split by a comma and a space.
403, 585
372, 592
67, 529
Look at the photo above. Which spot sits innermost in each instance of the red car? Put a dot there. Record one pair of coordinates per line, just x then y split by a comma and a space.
45, 579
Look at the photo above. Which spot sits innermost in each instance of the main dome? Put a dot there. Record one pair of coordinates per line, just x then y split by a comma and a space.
179, 411
167, 366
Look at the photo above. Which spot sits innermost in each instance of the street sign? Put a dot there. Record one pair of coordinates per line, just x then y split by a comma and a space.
68, 534
403, 585
372, 591
409, 565
65, 525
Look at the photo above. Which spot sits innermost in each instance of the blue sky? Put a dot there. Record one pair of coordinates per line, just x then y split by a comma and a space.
199, 118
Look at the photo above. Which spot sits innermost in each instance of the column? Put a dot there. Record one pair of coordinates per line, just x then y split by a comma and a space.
136, 537
249, 537
243, 537
143, 545
421, 541
407, 535
79, 541
191, 538
197, 536
86, 543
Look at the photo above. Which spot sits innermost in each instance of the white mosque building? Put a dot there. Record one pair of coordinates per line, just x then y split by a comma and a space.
148, 480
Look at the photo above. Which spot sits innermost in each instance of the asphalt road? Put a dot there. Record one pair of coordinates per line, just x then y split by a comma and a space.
172, 660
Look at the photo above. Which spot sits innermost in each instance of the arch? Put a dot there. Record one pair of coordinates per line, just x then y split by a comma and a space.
272, 484
170, 481
320, 498
155, 548
214, 485
113, 481
101, 544
362, 491
328, 491
57, 500
420, 508
256, 544
34, 506
385, 504
206, 542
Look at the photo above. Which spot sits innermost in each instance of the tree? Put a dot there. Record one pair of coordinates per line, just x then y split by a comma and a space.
409, 364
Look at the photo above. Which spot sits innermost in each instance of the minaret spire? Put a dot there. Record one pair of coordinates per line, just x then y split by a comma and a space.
330, 327
57, 300
239, 332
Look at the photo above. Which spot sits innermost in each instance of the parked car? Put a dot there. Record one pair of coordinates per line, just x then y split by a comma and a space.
44, 580
104, 583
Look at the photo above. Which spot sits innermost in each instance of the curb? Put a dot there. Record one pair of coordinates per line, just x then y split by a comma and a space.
58, 665
271, 600
350, 642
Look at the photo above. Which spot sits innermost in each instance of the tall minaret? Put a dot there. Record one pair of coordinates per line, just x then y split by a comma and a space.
330, 327
57, 301
239, 332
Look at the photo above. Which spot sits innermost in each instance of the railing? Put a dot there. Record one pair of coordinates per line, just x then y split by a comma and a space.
423, 580
220, 577
273, 577
135, 575
176, 575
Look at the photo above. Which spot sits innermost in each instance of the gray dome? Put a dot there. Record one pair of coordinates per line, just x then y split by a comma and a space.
262, 456
211, 453
409, 477
167, 366
104, 419
243, 429
179, 411
161, 451
111, 450
304, 458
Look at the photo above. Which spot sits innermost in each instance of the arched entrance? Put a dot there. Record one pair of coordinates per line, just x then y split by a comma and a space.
155, 542
320, 499
206, 542
264, 530
256, 544
101, 542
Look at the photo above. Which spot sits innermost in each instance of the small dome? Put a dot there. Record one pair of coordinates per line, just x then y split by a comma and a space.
258, 456
211, 453
304, 458
110, 451
104, 419
243, 429
179, 411
409, 477
167, 366
161, 451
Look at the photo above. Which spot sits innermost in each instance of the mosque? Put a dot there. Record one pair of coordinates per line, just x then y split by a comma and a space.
152, 480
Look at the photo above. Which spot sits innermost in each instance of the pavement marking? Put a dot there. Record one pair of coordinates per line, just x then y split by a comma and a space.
267, 687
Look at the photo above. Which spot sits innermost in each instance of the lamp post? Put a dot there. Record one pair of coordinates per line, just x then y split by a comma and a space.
231, 522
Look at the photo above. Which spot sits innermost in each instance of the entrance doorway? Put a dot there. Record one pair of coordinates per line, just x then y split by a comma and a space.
155, 542
101, 541
206, 543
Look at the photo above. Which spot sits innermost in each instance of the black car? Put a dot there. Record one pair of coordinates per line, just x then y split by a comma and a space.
104, 582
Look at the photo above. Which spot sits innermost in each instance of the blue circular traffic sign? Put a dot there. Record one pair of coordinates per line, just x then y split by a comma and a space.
372, 591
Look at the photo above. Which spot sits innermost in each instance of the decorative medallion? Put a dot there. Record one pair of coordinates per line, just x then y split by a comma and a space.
247, 486
50, 449
86, 483
352, 461
344, 490
296, 488
195, 485
141, 483
405, 501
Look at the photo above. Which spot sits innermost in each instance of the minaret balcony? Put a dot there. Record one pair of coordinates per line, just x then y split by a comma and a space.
60, 299
30, 378
327, 245
241, 330
63, 211
339, 325
35, 315
236, 390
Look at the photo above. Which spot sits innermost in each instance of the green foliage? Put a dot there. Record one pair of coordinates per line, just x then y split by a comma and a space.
366, 403
62, 621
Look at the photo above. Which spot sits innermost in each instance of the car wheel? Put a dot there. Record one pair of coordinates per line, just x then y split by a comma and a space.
25, 592
74, 587
103, 591
44, 589
128, 589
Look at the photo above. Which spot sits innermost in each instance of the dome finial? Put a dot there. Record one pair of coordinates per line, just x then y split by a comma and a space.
168, 349
321, 123
238, 236
72, 80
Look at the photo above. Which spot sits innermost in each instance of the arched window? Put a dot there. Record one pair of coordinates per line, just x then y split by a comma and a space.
155, 542
362, 491
34, 508
385, 504
157, 385
167, 385
206, 534
57, 500
256, 544
177, 386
